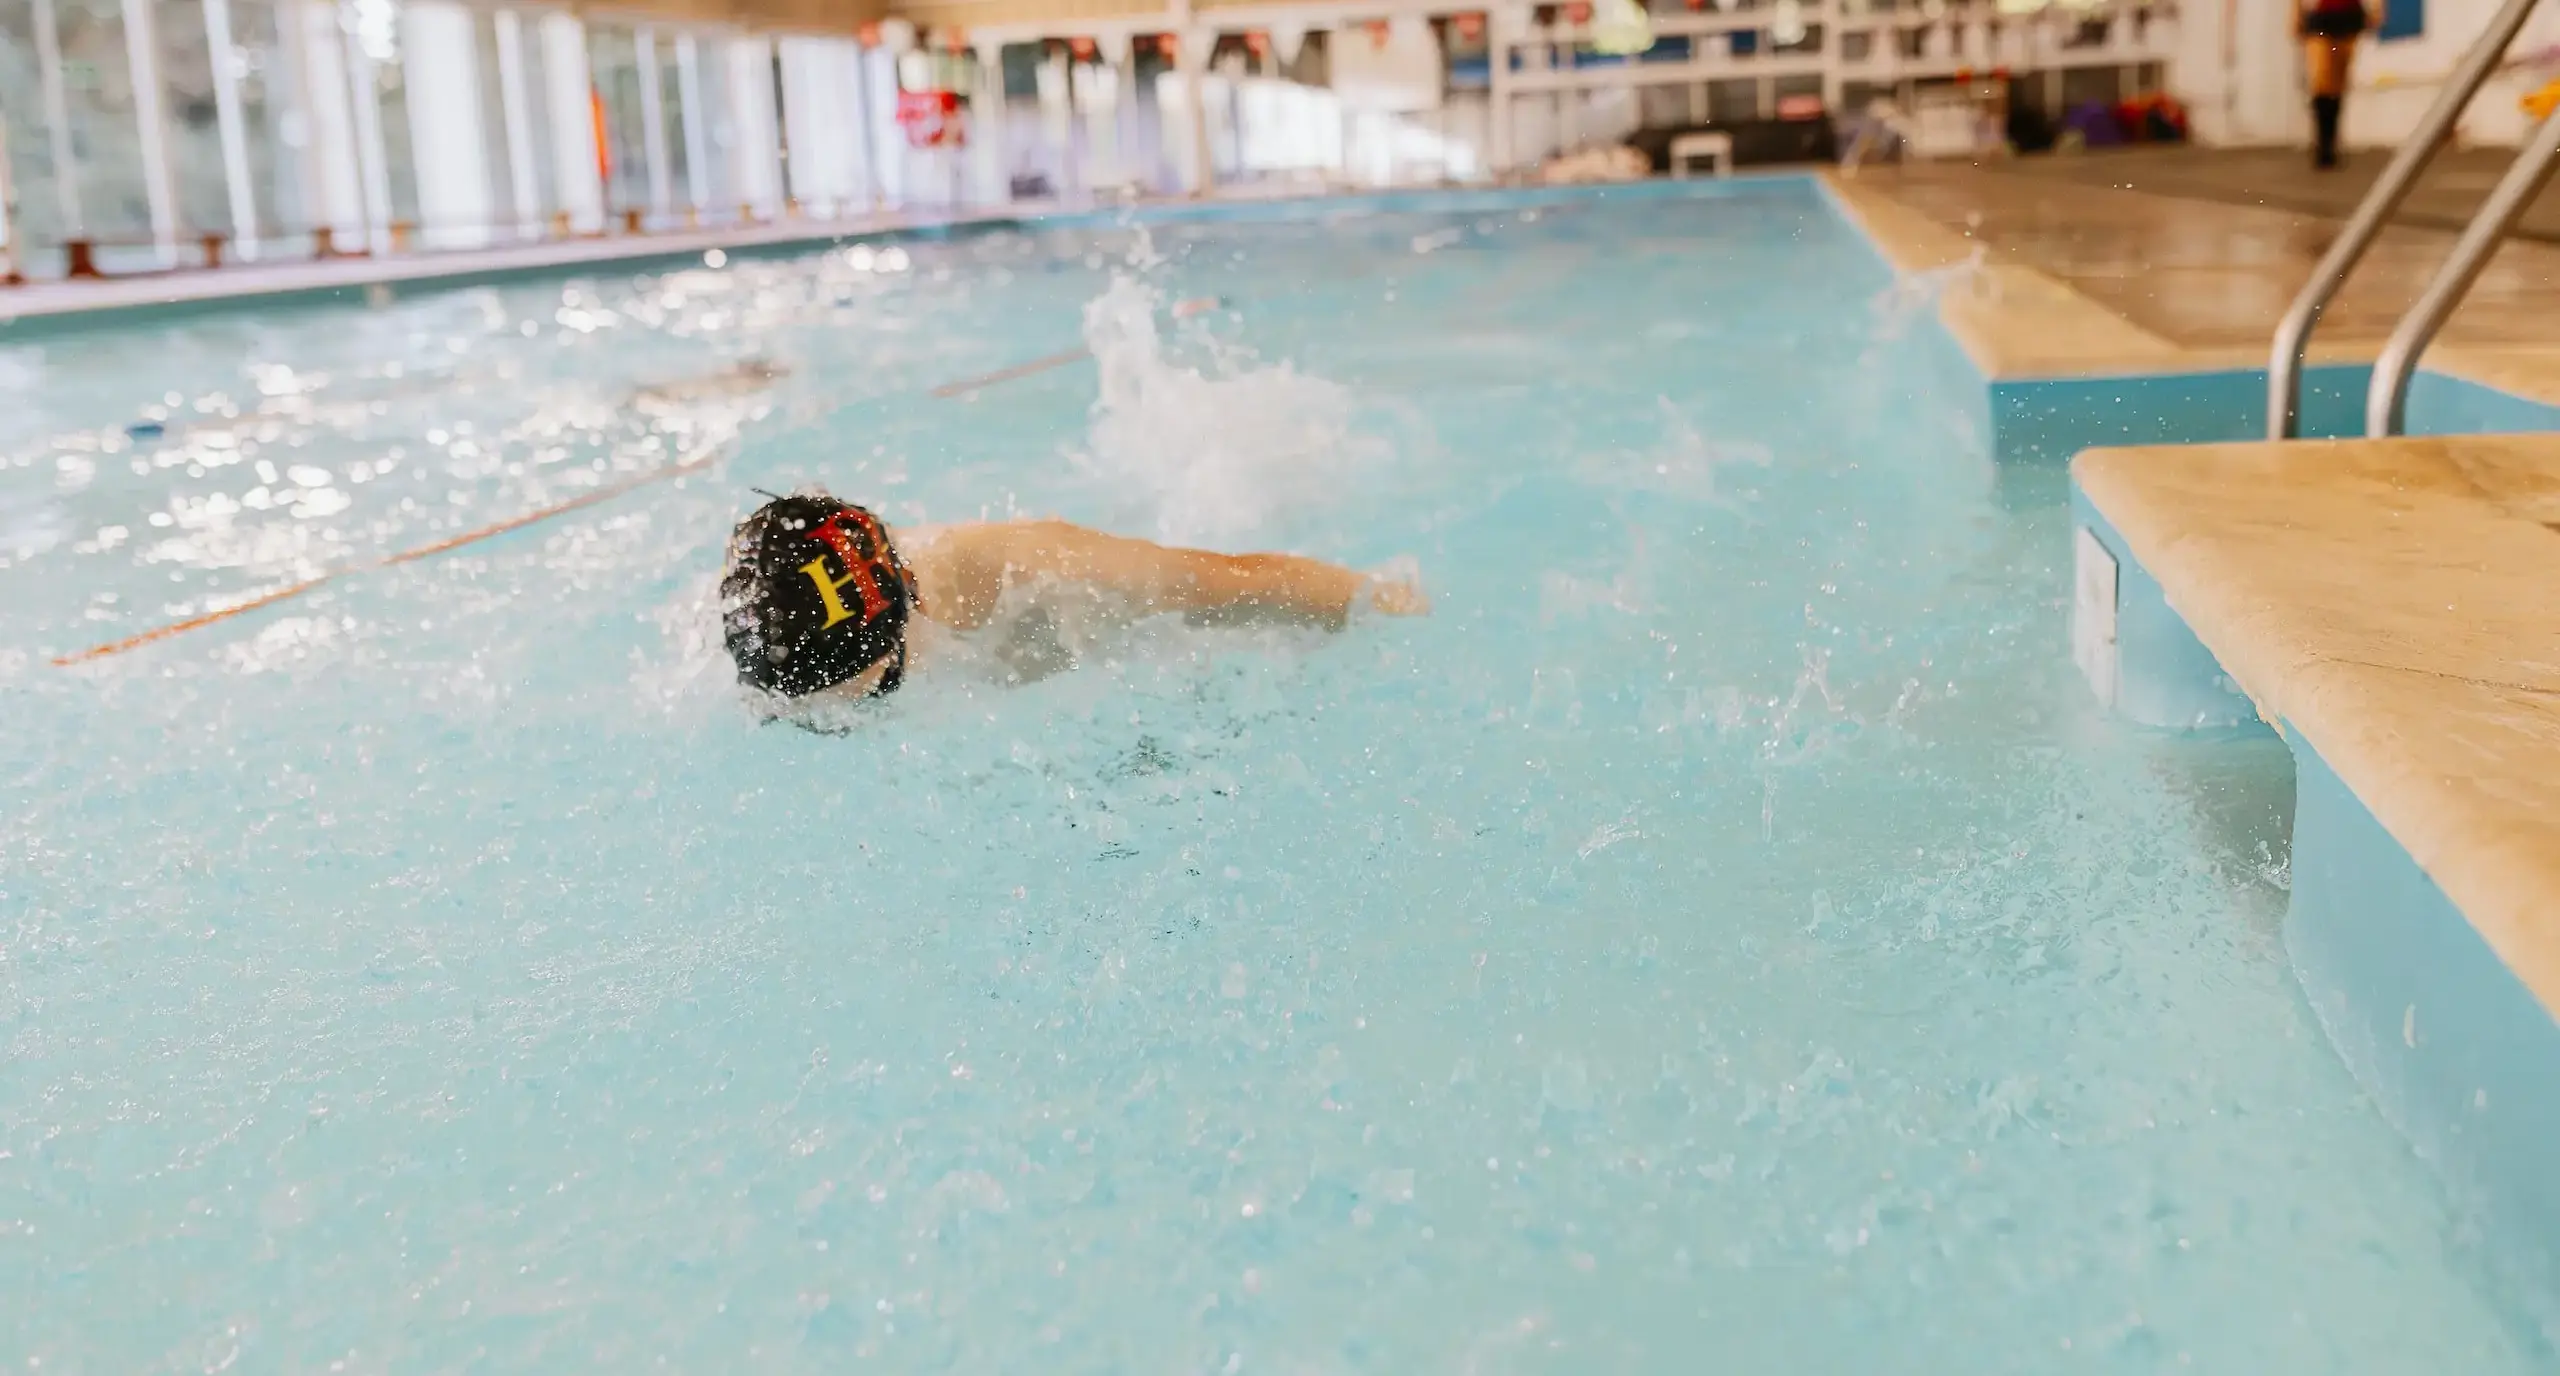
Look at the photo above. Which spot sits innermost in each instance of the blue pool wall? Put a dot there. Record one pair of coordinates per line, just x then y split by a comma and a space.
2051, 419
2454, 1049
2458, 1054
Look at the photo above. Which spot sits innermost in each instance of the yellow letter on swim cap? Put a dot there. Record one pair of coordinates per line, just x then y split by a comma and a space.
831, 589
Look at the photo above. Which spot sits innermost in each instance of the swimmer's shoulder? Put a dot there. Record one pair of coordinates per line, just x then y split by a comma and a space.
964, 567
948, 537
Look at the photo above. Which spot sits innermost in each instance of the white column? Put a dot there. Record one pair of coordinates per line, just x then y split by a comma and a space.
8, 204
13, 262
1498, 32
751, 95
806, 116
880, 106
1055, 79
142, 59
697, 148
334, 175
569, 94
986, 124
853, 106
57, 118
1098, 96
1194, 54
653, 119
373, 160
229, 126
1229, 84
2268, 104
439, 70
512, 99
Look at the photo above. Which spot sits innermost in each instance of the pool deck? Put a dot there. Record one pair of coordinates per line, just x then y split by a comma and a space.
117, 298
2082, 277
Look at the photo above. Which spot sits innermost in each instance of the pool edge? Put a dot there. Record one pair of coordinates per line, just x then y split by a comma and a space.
358, 280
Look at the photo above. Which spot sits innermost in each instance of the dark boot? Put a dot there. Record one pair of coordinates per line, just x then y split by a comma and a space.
2324, 119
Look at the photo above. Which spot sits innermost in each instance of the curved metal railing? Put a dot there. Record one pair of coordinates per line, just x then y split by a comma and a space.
2293, 336
2386, 405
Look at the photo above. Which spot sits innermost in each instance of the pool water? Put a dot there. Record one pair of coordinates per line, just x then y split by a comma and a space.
1723, 936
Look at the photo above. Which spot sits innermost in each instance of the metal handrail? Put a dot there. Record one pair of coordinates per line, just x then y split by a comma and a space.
2386, 405
2293, 336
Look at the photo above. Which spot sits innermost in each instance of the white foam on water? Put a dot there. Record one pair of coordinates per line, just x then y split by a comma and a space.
1212, 453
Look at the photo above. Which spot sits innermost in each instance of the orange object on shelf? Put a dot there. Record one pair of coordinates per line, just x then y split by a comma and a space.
931, 118
2541, 103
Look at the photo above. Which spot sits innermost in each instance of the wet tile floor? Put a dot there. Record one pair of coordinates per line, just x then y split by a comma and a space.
2207, 274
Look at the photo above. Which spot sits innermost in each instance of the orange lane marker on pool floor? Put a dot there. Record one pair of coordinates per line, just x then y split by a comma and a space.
1182, 310
605, 493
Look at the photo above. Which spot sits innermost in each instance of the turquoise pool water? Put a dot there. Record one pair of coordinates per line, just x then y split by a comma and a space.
1723, 937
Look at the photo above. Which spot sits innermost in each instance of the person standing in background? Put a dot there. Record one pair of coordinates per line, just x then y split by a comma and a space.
2329, 30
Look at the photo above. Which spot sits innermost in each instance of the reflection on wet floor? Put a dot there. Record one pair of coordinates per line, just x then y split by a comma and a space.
2445, 197
2207, 275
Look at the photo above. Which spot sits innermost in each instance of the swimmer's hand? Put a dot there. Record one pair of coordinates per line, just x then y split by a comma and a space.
1398, 593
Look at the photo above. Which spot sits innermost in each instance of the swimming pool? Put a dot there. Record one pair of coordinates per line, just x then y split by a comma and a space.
1723, 936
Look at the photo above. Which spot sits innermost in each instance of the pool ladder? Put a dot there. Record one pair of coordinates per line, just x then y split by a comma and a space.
2386, 404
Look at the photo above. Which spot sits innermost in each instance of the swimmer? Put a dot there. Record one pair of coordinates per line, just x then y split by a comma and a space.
821, 602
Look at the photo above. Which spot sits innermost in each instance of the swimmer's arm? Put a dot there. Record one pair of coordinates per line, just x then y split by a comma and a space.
1201, 584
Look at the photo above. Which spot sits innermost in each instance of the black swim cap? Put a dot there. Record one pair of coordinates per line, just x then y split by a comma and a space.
814, 594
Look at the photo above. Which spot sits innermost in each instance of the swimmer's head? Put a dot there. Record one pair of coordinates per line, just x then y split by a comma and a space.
814, 596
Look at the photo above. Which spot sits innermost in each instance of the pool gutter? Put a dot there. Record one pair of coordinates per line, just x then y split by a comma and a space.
42, 310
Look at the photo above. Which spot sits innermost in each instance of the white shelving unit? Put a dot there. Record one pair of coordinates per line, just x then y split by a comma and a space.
1897, 50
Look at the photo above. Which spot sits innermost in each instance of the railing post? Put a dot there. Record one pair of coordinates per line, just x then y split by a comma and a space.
2386, 405
2293, 336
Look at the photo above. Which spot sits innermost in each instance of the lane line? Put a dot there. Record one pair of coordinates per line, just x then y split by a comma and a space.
1182, 310
407, 556
966, 386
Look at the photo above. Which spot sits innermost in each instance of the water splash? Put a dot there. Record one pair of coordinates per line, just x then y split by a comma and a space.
1792, 740
1914, 294
1210, 453
1683, 463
